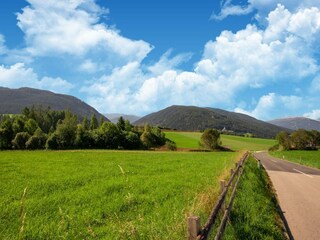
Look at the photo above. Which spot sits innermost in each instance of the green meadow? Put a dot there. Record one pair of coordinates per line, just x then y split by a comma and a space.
106, 194
309, 158
191, 140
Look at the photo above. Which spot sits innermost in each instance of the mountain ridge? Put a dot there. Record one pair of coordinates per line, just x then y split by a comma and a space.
12, 101
191, 118
296, 123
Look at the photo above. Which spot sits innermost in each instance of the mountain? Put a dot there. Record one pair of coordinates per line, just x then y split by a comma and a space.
189, 118
295, 123
115, 116
12, 101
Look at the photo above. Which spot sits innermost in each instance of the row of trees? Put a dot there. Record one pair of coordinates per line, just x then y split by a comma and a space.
38, 128
298, 140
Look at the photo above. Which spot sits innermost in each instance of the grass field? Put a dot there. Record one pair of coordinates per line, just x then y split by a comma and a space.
106, 194
254, 213
191, 140
309, 158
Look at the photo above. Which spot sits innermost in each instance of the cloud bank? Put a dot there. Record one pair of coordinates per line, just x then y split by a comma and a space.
275, 64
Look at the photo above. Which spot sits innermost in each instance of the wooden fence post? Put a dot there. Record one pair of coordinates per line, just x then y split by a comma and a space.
259, 164
222, 187
193, 227
231, 173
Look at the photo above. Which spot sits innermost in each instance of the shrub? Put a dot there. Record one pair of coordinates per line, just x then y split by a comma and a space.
19, 142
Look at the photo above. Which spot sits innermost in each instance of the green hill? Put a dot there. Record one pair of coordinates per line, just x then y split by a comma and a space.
189, 118
12, 101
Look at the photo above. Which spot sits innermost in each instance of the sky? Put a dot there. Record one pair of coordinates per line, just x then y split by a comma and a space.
257, 57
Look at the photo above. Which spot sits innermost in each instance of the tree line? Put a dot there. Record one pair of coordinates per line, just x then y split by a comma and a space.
298, 140
43, 128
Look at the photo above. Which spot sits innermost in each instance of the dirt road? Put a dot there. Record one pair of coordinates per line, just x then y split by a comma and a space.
298, 190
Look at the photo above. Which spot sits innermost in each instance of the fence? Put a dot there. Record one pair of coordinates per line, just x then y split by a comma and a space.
195, 232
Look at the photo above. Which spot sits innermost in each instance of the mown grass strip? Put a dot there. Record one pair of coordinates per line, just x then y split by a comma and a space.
308, 158
254, 214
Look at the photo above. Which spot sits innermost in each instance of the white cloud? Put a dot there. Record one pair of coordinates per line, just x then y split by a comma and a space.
72, 27
314, 114
315, 85
166, 63
262, 7
228, 9
88, 66
272, 105
251, 58
3, 48
18, 75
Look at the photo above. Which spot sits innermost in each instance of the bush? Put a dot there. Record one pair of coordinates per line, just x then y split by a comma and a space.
210, 139
172, 146
19, 142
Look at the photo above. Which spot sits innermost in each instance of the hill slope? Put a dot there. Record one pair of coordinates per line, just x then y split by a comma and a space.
297, 123
188, 118
12, 101
114, 117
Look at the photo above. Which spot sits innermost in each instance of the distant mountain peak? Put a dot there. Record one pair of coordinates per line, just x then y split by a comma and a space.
295, 123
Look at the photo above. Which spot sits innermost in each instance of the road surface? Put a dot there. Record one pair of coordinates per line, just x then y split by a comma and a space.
298, 190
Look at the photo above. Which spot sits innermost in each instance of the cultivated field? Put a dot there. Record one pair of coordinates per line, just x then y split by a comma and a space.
309, 158
106, 194
191, 140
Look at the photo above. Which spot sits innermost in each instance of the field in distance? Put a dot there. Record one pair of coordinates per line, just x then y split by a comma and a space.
106, 194
190, 140
308, 158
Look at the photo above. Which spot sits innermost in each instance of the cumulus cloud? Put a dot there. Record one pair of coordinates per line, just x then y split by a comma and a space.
314, 114
262, 7
251, 58
19, 75
73, 27
272, 105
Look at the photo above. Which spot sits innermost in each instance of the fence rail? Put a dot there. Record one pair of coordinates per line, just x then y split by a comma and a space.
195, 232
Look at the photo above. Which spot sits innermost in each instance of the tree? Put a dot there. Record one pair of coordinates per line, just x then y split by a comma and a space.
300, 139
128, 127
65, 133
37, 141
19, 142
6, 134
283, 139
121, 124
110, 135
30, 126
85, 123
131, 141
18, 125
94, 122
83, 138
210, 139
314, 138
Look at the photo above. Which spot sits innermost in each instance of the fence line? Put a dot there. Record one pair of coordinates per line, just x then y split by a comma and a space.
194, 230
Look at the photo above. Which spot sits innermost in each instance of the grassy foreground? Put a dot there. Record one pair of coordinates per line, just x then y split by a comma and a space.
254, 213
309, 158
191, 140
106, 194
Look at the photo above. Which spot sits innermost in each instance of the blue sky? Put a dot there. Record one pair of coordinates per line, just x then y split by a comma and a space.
254, 56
